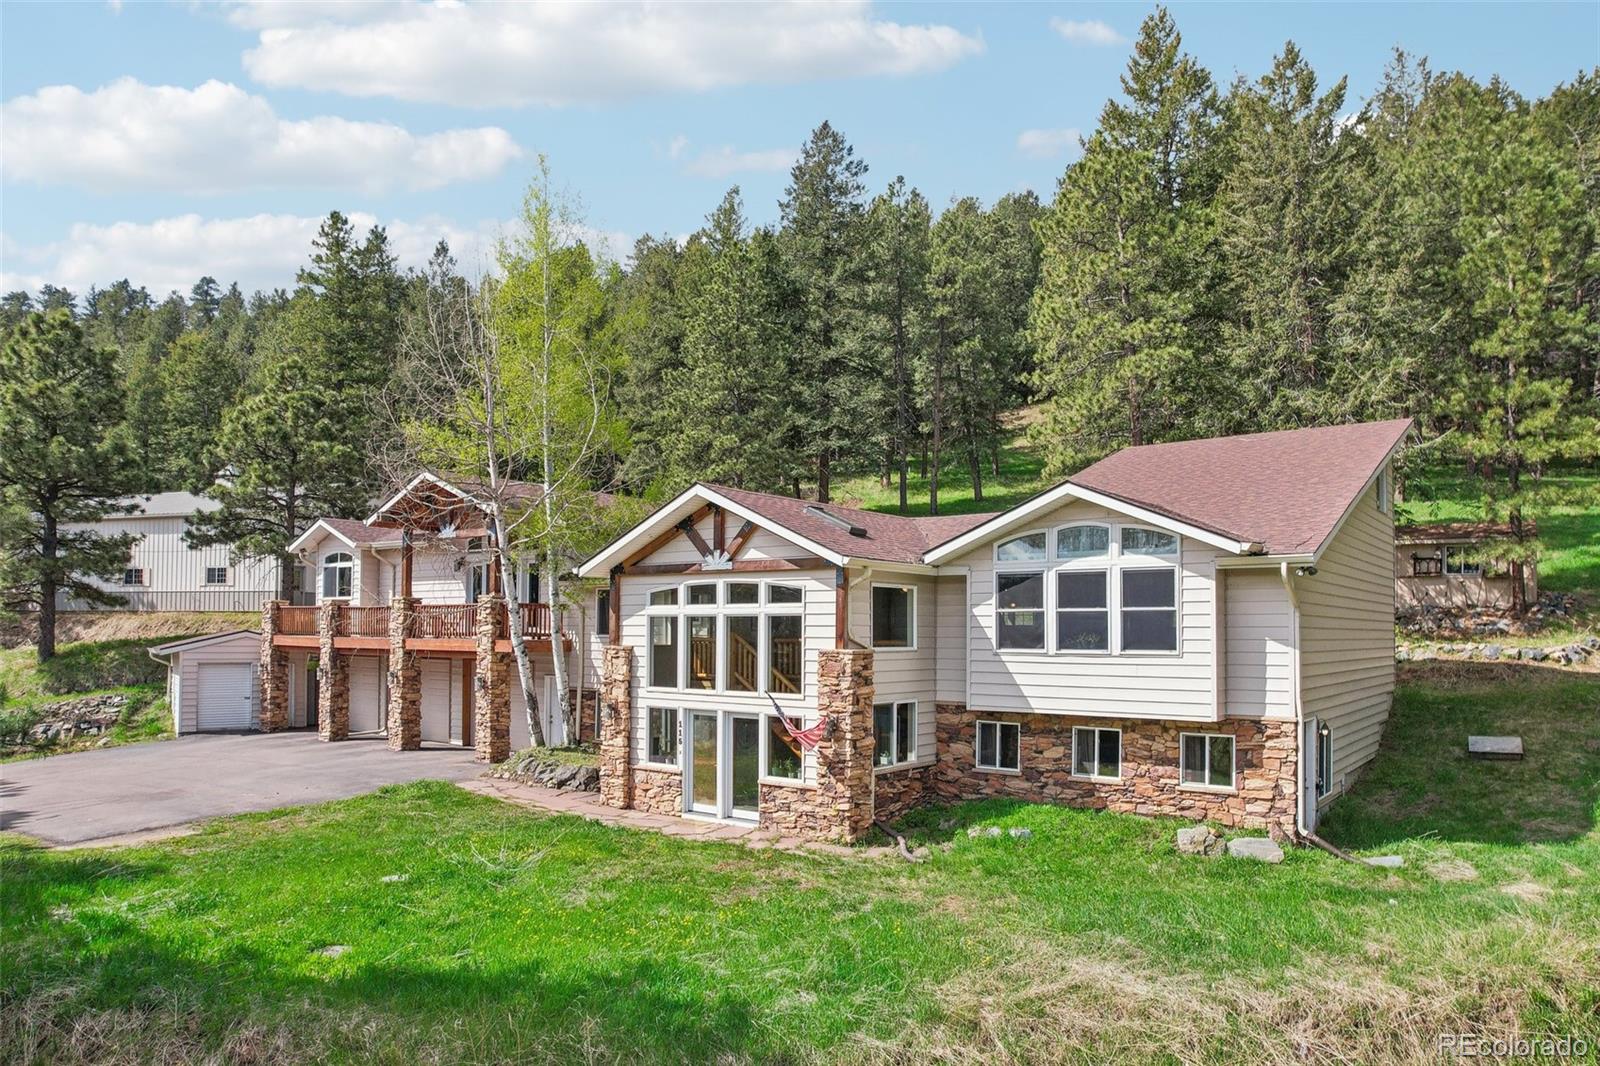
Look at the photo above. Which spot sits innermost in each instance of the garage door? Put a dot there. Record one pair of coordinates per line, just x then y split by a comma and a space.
366, 694
224, 692
438, 699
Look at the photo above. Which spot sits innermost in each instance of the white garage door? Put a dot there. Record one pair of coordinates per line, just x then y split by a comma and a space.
366, 694
437, 702
224, 693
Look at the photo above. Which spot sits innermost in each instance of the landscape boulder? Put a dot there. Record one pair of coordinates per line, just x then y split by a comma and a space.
1199, 840
1261, 849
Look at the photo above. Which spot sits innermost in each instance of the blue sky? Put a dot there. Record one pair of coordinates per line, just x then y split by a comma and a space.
162, 141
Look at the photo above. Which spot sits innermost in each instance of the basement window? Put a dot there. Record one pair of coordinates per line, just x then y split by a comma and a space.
894, 729
1097, 753
1000, 746
1206, 760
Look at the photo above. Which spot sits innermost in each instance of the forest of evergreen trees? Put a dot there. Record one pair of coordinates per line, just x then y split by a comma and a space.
1219, 259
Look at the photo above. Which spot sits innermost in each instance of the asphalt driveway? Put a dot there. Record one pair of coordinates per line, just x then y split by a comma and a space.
69, 799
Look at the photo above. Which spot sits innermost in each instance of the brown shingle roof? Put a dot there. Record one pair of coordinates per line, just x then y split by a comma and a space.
885, 537
358, 532
1284, 490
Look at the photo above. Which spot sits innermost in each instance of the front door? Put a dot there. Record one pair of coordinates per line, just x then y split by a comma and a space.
702, 765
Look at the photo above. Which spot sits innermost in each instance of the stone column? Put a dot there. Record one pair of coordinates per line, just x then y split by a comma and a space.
405, 680
491, 692
616, 725
844, 759
333, 677
274, 672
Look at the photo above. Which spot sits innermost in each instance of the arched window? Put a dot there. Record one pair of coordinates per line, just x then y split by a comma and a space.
1019, 592
1082, 542
336, 576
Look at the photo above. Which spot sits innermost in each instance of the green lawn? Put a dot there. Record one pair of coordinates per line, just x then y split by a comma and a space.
84, 668
511, 936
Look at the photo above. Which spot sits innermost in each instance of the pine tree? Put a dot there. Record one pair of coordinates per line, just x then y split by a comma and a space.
835, 381
286, 459
1286, 218
1116, 320
62, 460
898, 236
727, 400
198, 382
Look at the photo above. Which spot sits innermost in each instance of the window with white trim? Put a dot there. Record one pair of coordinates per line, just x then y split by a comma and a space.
786, 759
602, 612
1097, 753
663, 735
133, 575
1457, 561
664, 652
894, 616
894, 730
1206, 760
999, 746
216, 575
1019, 612
1150, 609
1083, 611
337, 571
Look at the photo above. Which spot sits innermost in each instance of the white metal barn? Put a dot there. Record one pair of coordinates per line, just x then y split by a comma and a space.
212, 682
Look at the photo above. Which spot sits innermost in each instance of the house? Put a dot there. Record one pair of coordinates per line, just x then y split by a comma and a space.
164, 573
212, 684
409, 636
1200, 629
1439, 565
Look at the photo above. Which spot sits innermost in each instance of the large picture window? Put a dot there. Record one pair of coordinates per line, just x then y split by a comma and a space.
1106, 588
727, 636
894, 616
1206, 760
894, 729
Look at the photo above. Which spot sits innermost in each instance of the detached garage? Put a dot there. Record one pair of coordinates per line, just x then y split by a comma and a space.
211, 681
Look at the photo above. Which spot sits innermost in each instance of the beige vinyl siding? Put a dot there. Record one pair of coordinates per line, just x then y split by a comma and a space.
184, 687
435, 579
950, 634
901, 674
1347, 637
1136, 685
763, 543
1258, 645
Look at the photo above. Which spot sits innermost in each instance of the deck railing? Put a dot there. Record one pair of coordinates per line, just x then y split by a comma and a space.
535, 621
297, 621
364, 622
445, 621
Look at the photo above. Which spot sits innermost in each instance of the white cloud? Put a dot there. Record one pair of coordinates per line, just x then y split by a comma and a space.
727, 160
677, 146
218, 138
1047, 144
1088, 31
560, 53
258, 251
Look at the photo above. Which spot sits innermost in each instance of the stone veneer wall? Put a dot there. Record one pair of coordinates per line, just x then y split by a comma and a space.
405, 680
333, 677
274, 672
896, 792
1265, 757
839, 806
660, 791
616, 725
491, 687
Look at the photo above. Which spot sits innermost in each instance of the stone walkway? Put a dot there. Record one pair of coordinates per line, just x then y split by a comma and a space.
588, 805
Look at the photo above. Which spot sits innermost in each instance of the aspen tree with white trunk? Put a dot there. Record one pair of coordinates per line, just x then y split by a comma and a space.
505, 384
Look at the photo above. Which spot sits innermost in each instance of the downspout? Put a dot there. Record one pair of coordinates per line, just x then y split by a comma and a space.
1300, 825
